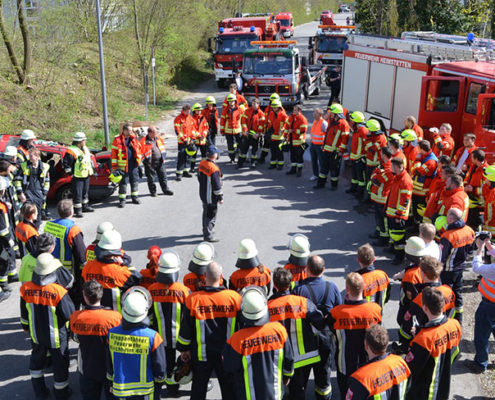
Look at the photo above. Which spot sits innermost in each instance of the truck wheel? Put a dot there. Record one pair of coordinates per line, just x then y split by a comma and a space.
65, 192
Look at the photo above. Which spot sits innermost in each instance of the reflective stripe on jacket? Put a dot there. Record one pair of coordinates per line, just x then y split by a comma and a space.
399, 198
120, 156
64, 231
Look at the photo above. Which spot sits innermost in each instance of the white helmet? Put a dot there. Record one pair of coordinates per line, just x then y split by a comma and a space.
415, 246
247, 254
299, 246
169, 262
102, 228
27, 134
79, 137
254, 306
4, 182
10, 151
46, 264
135, 304
202, 255
110, 240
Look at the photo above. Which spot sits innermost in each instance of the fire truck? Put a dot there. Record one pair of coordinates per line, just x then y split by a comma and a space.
286, 21
424, 75
233, 38
328, 45
276, 67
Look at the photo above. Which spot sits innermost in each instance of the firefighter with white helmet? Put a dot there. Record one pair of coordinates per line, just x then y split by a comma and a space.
26, 142
100, 230
299, 249
78, 163
202, 255
137, 377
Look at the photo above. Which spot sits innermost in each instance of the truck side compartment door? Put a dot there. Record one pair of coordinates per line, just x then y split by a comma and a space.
485, 125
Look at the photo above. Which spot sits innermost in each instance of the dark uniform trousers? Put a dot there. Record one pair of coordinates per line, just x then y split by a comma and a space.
249, 142
358, 171
132, 177
381, 221
209, 219
91, 389
183, 160
331, 164
296, 155
202, 372
277, 157
156, 170
80, 189
265, 148
233, 142
455, 280
170, 356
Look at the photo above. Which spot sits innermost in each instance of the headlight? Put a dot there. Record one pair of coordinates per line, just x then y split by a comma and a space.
219, 65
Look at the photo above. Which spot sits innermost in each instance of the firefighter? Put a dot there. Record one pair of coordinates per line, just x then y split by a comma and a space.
32, 182
437, 189
149, 274
45, 310
253, 126
6, 245
25, 143
201, 128
230, 124
455, 245
100, 230
250, 271
70, 248
422, 176
277, 125
26, 231
489, 200
10, 155
430, 270
395, 142
433, 350
335, 146
462, 158
183, 127
453, 196
211, 114
318, 131
411, 149
358, 154
325, 296
298, 259
209, 320
169, 297
210, 192
376, 282
375, 142
410, 123
78, 163
109, 271
258, 356
126, 158
473, 186
384, 376
397, 208
381, 181
8, 168
202, 255
296, 137
301, 318
154, 155
90, 329
239, 98
349, 322
443, 141
136, 358
267, 138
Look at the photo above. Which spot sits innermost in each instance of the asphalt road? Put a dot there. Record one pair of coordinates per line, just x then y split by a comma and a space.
264, 205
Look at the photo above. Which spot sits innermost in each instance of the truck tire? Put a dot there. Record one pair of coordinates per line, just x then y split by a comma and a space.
65, 192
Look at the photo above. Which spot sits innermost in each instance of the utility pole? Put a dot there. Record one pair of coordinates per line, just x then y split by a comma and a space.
240, 9
146, 96
153, 73
102, 74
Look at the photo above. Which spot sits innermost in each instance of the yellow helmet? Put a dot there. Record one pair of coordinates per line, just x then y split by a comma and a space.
276, 103
274, 96
336, 109
409, 135
373, 125
211, 100
357, 117
197, 107
489, 173
441, 223
191, 150
231, 97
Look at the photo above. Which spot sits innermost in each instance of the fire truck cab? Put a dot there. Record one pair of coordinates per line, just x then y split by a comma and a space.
286, 21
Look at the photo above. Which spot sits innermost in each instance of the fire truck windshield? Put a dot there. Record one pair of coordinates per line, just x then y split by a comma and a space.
284, 22
267, 64
331, 44
234, 44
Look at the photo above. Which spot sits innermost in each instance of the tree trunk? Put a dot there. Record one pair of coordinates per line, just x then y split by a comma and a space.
26, 39
139, 41
10, 48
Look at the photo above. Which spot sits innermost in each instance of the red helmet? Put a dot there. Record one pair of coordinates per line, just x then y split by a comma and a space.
154, 253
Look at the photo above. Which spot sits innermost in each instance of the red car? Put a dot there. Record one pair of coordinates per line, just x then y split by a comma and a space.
326, 18
52, 153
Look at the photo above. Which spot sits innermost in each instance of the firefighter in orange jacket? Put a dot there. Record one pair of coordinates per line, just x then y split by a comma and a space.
433, 350
201, 130
411, 123
126, 158
384, 376
473, 186
25, 231
462, 158
209, 320
184, 129
422, 176
436, 190
267, 138
154, 154
397, 208
259, 356
296, 137
211, 114
202, 255
443, 141
277, 125
411, 149
169, 297
253, 126
358, 153
335, 146
375, 142
149, 273
349, 322
380, 182
230, 125
300, 317
298, 259
240, 99
453, 196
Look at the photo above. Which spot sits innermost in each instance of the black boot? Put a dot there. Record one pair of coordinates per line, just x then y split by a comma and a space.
272, 166
360, 192
135, 200
352, 189
399, 257
334, 185
381, 242
320, 184
262, 157
458, 316
168, 192
280, 167
4, 295
292, 171
121, 203
87, 208
45, 215
178, 177
186, 174
299, 172
253, 163
78, 212
390, 249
